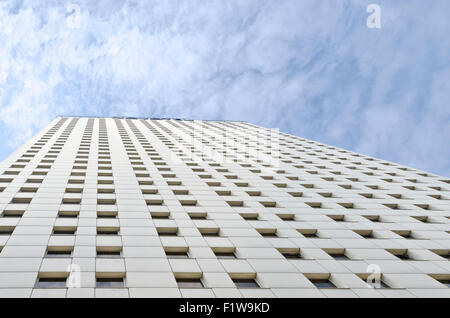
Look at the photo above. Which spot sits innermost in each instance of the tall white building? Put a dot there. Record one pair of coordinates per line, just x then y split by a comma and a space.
117, 207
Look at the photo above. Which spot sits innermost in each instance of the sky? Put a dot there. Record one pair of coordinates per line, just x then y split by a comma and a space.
312, 68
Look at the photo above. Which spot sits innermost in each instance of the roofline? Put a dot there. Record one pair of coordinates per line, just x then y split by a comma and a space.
151, 118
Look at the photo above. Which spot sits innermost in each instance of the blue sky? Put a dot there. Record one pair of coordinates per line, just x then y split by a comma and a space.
308, 67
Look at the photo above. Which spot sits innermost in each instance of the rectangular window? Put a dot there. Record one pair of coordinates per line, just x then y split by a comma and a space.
68, 214
198, 216
59, 252
209, 231
177, 254
339, 256
6, 230
64, 230
108, 253
249, 216
245, 283
12, 214
51, 282
267, 232
309, 233
110, 282
322, 283
160, 215
167, 231
107, 231
291, 253
106, 214
189, 283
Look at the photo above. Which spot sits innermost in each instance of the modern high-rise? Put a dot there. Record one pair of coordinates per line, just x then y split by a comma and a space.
136, 207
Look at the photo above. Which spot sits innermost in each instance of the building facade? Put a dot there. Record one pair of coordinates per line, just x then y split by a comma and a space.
130, 207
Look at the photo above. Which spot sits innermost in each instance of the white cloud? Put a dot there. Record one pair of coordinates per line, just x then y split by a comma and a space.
310, 67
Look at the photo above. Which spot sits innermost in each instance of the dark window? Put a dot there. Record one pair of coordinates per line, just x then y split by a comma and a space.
403, 256
322, 283
339, 256
312, 234
225, 255
250, 217
210, 233
12, 214
6, 230
64, 214
51, 282
56, 253
177, 255
160, 216
107, 254
63, 231
292, 255
110, 282
269, 234
197, 216
245, 283
108, 231
189, 283
168, 232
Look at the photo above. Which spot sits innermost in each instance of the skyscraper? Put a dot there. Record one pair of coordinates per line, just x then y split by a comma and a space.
130, 207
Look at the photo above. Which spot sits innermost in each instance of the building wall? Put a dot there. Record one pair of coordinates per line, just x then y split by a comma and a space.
151, 208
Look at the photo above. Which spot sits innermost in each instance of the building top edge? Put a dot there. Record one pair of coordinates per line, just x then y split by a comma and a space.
150, 118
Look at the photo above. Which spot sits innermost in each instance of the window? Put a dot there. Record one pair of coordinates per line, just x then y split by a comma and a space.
404, 234
68, 214
223, 193
198, 216
177, 254
6, 230
401, 254
154, 202
310, 233
287, 217
365, 233
339, 256
12, 214
110, 282
267, 232
189, 283
160, 215
209, 231
71, 201
289, 253
28, 189
225, 255
51, 282
245, 283
445, 282
107, 230
167, 231
314, 204
337, 218
180, 192
58, 252
109, 252
250, 216
373, 218
21, 200
107, 214
322, 283
64, 230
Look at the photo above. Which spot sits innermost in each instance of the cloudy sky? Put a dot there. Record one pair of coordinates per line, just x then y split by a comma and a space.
308, 67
